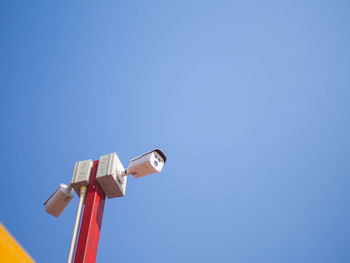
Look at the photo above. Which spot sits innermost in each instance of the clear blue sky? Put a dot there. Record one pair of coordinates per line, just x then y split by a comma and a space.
250, 100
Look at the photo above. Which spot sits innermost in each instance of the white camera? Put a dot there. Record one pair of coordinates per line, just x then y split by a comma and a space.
58, 201
148, 163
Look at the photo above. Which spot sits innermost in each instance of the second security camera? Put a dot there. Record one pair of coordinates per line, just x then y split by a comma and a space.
148, 163
58, 201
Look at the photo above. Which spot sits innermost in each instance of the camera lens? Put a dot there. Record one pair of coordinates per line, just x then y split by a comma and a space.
155, 163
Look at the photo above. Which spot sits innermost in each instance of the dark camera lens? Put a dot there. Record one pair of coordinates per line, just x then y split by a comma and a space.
155, 163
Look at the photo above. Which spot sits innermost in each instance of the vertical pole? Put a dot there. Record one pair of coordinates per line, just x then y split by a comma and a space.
92, 219
77, 224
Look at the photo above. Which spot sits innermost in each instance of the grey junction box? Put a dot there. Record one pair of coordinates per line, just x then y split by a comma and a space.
110, 175
81, 175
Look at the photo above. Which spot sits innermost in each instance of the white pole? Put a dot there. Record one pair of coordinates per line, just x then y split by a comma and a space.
77, 223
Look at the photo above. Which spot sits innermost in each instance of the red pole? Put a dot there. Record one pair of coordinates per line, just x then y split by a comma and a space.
92, 219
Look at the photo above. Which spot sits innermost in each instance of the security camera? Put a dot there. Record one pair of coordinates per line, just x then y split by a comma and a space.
148, 163
58, 201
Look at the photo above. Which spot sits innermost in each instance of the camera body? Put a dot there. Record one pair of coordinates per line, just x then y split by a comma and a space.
148, 163
58, 201
110, 175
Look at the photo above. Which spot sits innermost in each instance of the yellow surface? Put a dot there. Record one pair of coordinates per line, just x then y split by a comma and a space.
10, 250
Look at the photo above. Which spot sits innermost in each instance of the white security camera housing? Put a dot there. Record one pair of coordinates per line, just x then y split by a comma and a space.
58, 201
148, 163
110, 175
